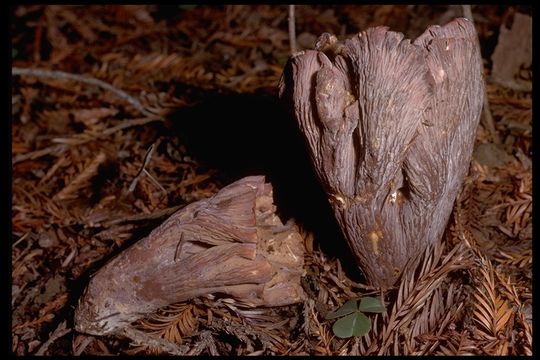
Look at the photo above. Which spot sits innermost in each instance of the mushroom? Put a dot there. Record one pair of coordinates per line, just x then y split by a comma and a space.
390, 126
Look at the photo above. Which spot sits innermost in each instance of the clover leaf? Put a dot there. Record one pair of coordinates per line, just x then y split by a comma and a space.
348, 308
355, 324
353, 321
371, 305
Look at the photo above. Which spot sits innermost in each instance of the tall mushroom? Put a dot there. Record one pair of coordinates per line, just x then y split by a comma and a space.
390, 126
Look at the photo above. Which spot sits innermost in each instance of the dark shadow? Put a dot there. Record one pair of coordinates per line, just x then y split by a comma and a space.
241, 135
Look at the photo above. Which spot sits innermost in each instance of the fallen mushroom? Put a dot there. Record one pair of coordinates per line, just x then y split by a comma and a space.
390, 128
232, 243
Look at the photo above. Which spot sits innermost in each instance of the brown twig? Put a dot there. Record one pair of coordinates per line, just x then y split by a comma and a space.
57, 334
292, 30
142, 338
22, 238
146, 160
488, 118
55, 74
134, 122
54, 149
140, 217
143, 170
84, 344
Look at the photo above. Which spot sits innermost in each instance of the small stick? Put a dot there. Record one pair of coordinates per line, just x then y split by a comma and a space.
54, 149
154, 181
57, 334
78, 351
488, 118
146, 160
132, 122
20, 239
141, 217
141, 338
55, 74
292, 30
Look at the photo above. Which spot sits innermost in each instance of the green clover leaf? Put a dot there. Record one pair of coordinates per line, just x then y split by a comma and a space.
353, 321
348, 308
355, 324
371, 305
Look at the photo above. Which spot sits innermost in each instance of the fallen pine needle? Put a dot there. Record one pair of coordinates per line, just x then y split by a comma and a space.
63, 143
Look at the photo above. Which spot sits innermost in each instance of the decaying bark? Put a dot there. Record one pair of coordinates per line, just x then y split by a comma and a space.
390, 127
231, 243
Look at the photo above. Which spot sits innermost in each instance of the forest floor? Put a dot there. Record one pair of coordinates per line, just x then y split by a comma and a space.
198, 86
